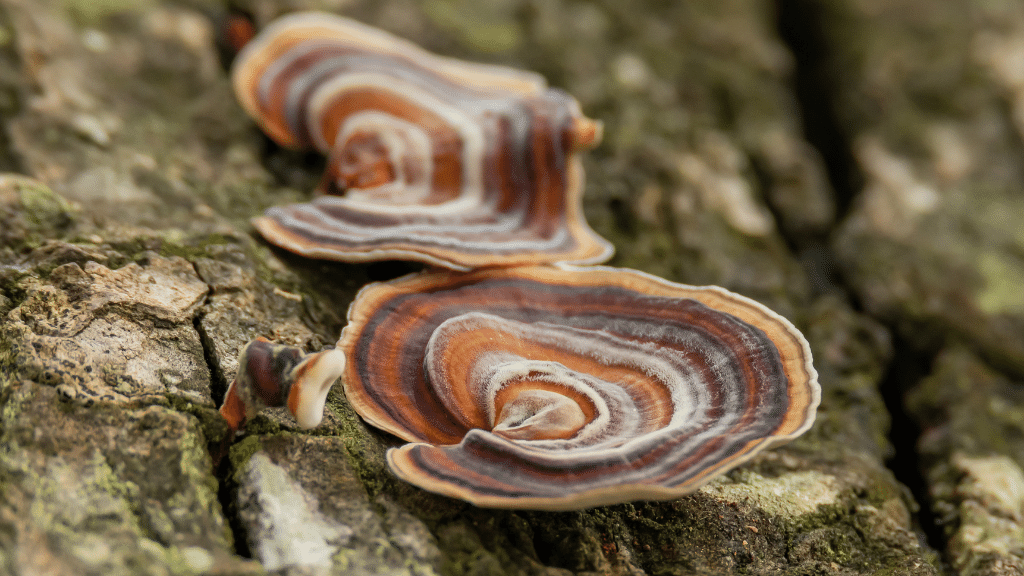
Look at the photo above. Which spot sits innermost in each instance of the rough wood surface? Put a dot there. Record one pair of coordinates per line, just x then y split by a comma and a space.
854, 164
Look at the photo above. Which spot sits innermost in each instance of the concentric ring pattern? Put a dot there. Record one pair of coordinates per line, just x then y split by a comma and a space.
457, 164
563, 387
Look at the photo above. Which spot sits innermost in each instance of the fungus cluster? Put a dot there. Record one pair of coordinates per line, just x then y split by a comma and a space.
519, 380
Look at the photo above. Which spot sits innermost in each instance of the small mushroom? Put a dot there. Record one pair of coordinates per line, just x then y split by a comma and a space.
563, 388
451, 163
272, 374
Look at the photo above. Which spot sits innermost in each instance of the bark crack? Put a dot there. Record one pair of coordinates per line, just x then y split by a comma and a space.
801, 26
227, 488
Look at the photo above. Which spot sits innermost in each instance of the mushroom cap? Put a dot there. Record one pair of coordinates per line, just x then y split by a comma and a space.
563, 388
456, 164
271, 374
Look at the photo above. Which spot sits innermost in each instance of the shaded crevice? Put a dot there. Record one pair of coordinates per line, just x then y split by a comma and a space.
227, 496
298, 169
810, 247
218, 381
12, 79
227, 488
801, 25
384, 270
907, 369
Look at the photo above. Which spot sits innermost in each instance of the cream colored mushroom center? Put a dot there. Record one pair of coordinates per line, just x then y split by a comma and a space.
381, 159
539, 415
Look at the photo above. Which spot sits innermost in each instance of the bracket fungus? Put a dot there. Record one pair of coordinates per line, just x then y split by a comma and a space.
456, 164
517, 383
272, 374
563, 388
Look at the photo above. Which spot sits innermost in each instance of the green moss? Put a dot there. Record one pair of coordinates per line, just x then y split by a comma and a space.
365, 450
194, 247
94, 11
73, 504
792, 495
188, 560
481, 26
464, 553
1003, 277
260, 255
8, 366
32, 213
973, 407
240, 454
196, 469
167, 243
477, 563
212, 425
44, 209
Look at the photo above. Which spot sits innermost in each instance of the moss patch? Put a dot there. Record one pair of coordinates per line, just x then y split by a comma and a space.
31, 212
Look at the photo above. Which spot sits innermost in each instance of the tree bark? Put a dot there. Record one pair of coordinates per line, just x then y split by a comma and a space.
853, 164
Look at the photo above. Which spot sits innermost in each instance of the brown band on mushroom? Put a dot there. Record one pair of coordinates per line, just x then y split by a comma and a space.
563, 388
272, 374
452, 163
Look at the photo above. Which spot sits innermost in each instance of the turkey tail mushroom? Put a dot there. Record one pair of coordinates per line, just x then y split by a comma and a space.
565, 388
455, 164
